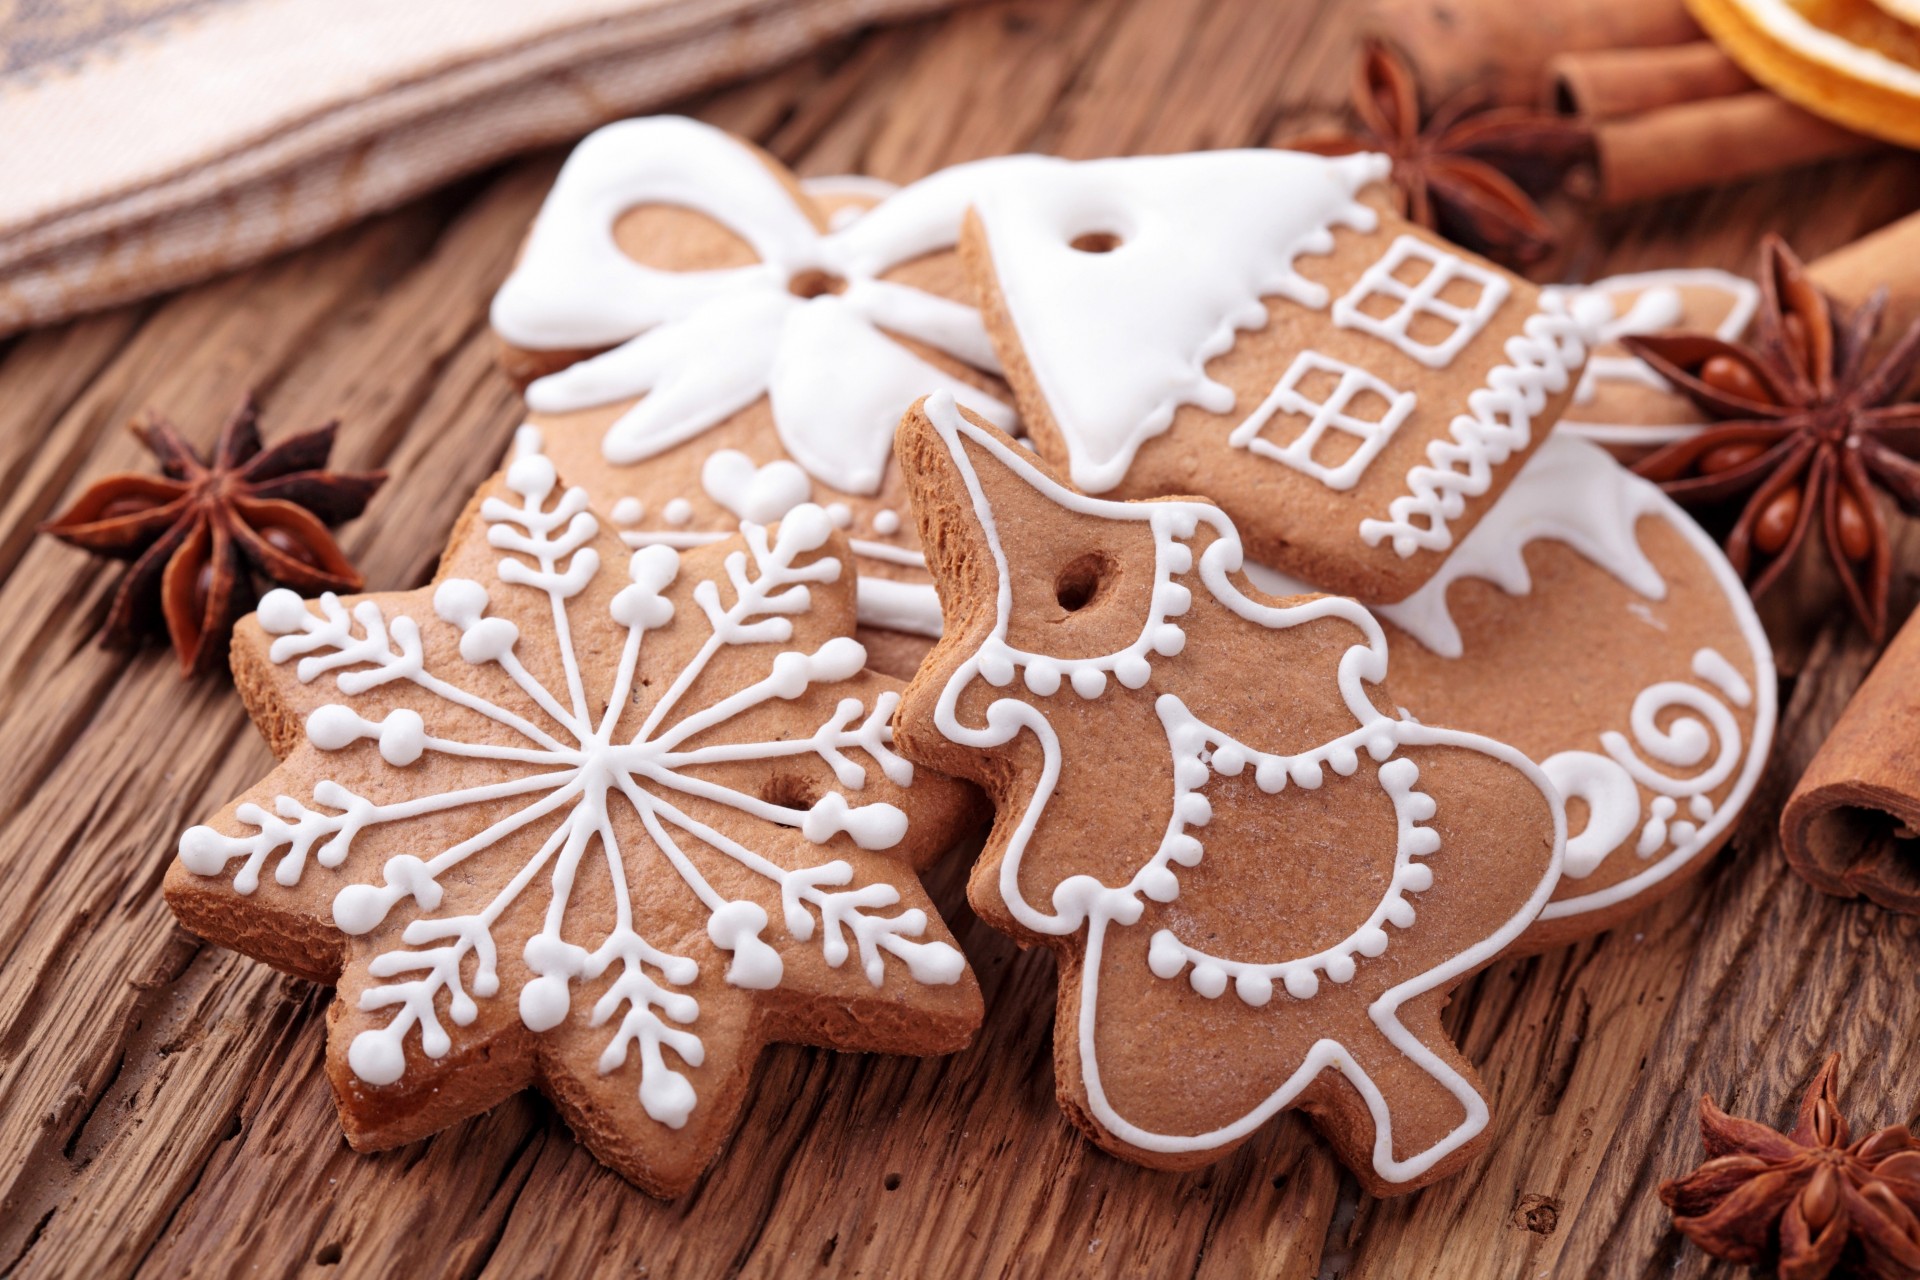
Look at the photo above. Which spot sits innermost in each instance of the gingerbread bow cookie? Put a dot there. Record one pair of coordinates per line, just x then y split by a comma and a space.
1258, 326
1261, 878
597, 822
715, 350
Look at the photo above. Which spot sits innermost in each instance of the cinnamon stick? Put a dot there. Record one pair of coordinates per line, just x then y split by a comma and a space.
1711, 142
1852, 826
1890, 257
1497, 47
1606, 84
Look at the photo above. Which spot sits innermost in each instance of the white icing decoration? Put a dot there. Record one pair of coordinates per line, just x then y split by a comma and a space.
886, 522
629, 510
761, 494
1298, 453
1541, 359
1422, 298
677, 512
1117, 341
1083, 902
1571, 491
582, 756
1656, 307
698, 346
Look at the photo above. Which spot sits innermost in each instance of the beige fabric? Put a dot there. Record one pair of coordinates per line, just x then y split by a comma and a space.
148, 143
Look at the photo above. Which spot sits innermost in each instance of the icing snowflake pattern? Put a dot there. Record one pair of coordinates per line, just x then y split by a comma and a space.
569, 761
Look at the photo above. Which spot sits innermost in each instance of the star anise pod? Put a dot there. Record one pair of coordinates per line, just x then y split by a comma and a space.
1469, 174
199, 533
1809, 422
1805, 1202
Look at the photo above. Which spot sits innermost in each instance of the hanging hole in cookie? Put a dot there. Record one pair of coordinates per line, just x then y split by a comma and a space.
1095, 242
815, 283
789, 791
1080, 581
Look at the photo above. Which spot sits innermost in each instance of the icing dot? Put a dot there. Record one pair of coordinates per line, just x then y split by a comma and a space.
1190, 773
1194, 809
629, 510
1159, 884
282, 611
1132, 670
1184, 849
359, 907
1043, 678
1270, 775
1371, 941
1340, 968
1165, 956
460, 601
1089, 682
996, 669
1254, 988
678, 512
1417, 877
886, 522
1306, 774
532, 476
1344, 761
1303, 984
544, 1002
1169, 640
1701, 808
840, 514
1229, 761
375, 1058
1209, 980
488, 640
204, 850
403, 737
333, 727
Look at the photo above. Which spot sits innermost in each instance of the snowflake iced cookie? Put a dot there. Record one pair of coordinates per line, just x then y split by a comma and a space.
1257, 327
1261, 878
586, 819
1589, 622
1620, 401
710, 341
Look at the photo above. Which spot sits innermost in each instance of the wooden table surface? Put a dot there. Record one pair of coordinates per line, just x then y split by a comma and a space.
162, 1104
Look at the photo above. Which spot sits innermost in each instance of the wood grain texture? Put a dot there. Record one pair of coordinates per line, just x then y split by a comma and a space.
162, 1105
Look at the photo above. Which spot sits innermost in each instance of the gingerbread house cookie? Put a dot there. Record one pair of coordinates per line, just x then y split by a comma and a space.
1259, 327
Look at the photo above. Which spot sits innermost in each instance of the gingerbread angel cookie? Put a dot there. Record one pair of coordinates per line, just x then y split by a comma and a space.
1259, 327
709, 341
1591, 623
1260, 877
591, 820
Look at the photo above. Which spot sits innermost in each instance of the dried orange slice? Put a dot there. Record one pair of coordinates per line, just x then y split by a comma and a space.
1855, 62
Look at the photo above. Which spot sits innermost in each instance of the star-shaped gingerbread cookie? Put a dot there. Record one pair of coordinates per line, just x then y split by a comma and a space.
1261, 878
588, 820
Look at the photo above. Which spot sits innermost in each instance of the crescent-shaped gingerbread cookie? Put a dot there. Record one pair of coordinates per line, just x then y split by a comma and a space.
1261, 878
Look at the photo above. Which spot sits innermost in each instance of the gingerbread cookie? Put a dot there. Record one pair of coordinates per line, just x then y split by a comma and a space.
1259, 327
594, 821
710, 341
1620, 402
1261, 879
1591, 623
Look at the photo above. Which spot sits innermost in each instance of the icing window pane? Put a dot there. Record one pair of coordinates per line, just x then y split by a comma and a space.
1359, 405
1427, 302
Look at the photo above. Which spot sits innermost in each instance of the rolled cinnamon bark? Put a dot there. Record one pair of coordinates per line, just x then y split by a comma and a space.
1890, 257
1852, 826
1605, 84
1710, 142
1499, 47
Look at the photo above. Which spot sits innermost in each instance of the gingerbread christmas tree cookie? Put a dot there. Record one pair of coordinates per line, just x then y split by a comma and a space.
1259, 327
596, 821
1261, 878
709, 342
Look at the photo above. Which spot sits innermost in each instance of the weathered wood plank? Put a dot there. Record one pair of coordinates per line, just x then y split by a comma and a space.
162, 1106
